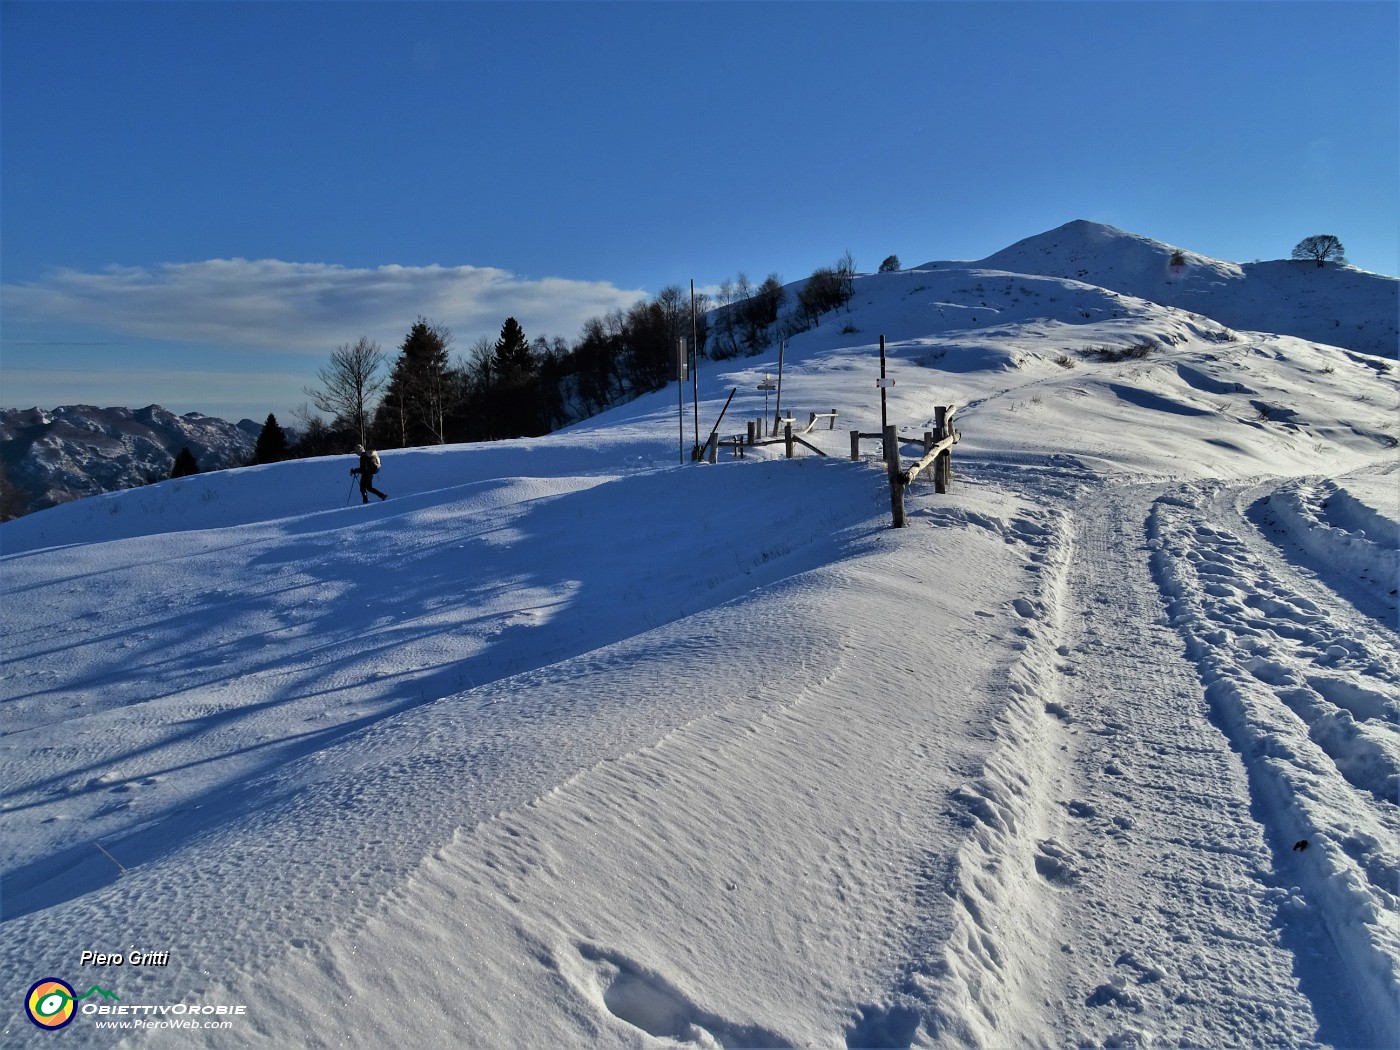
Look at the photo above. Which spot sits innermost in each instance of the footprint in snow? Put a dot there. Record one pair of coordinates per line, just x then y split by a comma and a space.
1115, 992
647, 1001
1055, 864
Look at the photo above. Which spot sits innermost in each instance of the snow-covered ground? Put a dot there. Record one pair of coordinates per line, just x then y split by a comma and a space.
571, 744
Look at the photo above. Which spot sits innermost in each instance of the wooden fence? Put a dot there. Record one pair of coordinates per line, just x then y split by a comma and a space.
755, 436
938, 456
937, 444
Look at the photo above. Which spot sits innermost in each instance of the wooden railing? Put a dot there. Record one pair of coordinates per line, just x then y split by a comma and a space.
754, 438
938, 456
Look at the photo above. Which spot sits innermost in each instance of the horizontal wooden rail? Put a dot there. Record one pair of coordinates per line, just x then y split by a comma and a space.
935, 450
938, 454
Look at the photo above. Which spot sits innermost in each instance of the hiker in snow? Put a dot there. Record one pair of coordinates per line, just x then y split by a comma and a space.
368, 468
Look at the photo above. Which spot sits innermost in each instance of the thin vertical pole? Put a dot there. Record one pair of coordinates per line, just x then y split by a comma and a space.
778, 408
884, 418
682, 363
695, 372
694, 332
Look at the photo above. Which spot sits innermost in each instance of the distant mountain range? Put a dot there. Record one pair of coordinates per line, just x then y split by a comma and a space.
52, 457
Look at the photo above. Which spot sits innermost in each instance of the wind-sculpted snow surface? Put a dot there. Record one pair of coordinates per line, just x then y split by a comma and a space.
571, 744
1347, 530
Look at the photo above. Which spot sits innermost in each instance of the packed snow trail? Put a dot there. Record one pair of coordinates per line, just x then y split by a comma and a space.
1307, 688
1168, 908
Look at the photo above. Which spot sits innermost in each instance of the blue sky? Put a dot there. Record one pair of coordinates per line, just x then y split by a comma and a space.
200, 201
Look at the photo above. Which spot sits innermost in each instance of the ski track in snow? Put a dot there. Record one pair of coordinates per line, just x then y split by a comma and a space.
1308, 691
1152, 818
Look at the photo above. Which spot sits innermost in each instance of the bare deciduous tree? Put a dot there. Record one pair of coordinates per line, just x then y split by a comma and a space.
349, 384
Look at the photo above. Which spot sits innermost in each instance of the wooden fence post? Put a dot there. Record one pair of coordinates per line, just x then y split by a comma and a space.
896, 483
943, 465
787, 438
855, 446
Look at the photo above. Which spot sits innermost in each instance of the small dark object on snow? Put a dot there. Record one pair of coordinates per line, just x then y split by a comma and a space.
1301, 844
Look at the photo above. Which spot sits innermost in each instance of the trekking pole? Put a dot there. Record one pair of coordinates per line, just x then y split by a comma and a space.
352, 490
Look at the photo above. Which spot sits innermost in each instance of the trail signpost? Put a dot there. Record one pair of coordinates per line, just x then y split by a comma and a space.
766, 386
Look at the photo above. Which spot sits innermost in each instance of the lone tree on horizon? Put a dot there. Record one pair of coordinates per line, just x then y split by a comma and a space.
1320, 247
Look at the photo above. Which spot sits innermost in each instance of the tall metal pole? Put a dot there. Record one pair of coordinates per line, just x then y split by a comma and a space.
884, 418
681, 363
695, 373
778, 408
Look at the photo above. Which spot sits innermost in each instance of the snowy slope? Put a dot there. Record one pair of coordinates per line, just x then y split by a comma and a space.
569, 744
1333, 304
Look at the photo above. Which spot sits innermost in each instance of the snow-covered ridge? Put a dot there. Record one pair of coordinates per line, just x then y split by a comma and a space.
1337, 305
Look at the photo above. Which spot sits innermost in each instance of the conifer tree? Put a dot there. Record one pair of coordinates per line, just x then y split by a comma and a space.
421, 392
513, 369
185, 464
272, 442
512, 357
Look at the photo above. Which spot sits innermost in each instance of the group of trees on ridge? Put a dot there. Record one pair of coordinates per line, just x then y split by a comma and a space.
514, 386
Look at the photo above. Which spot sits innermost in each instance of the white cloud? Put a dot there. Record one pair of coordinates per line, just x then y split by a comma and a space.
314, 307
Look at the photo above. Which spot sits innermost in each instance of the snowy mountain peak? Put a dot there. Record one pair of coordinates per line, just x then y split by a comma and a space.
1089, 251
1333, 305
